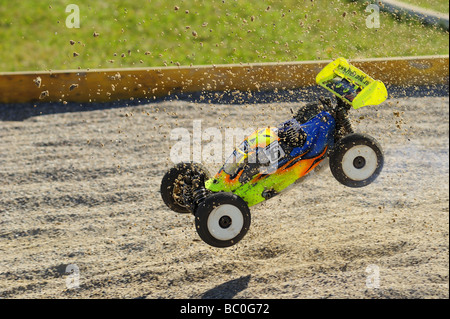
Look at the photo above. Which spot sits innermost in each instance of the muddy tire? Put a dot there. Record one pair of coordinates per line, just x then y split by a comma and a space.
175, 179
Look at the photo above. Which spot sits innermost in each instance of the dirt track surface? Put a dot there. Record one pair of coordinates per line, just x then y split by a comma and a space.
83, 189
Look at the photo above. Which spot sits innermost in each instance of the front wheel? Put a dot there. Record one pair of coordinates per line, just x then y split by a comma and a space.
178, 177
356, 160
222, 219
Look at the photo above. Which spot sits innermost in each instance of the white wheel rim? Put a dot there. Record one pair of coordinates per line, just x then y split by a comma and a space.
371, 162
224, 211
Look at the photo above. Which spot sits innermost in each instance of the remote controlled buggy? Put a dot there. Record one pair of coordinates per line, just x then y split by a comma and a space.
270, 160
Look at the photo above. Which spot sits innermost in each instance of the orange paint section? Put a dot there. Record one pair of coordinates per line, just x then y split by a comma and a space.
230, 181
305, 166
300, 169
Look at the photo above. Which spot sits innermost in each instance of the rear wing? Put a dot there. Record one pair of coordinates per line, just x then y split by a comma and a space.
351, 84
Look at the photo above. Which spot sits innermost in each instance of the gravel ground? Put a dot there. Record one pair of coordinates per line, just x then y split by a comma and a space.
80, 189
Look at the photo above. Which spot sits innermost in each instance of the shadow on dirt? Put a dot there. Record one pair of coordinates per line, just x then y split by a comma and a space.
228, 289
20, 112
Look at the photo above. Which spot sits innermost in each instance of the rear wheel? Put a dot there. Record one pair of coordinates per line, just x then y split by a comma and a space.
222, 219
356, 160
176, 179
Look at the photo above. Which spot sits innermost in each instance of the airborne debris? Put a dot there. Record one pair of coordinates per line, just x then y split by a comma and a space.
44, 94
38, 81
116, 76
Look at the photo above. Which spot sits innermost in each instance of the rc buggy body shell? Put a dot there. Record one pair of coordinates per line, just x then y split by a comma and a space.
276, 163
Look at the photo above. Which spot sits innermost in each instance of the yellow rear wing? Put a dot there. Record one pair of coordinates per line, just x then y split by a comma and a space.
351, 84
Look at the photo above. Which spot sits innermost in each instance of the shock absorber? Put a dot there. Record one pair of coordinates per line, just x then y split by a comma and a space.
199, 196
343, 125
199, 192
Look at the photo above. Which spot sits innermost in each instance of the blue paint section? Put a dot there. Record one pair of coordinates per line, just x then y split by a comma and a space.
319, 134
